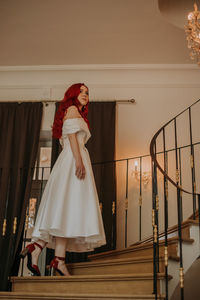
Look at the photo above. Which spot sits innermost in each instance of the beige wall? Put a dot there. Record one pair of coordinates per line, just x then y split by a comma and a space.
43, 32
160, 91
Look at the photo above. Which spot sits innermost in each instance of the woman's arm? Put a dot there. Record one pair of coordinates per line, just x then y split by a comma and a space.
80, 169
72, 112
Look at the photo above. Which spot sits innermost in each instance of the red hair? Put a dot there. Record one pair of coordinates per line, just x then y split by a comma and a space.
70, 98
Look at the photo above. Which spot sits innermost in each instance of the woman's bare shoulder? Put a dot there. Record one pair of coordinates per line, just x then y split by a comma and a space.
71, 113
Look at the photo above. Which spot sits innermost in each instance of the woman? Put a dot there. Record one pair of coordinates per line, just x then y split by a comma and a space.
69, 218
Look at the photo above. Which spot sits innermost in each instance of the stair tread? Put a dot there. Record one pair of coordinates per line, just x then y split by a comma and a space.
171, 230
119, 261
174, 257
138, 247
86, 277
135, 259
79, 296
118, 265
120, 284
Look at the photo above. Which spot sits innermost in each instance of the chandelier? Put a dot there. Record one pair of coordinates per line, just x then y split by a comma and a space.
192, 30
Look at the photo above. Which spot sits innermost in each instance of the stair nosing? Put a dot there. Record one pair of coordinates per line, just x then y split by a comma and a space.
86, 296
98, 277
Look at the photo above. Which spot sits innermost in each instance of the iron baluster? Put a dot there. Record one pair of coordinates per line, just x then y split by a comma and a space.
41, 188
192, 166
154, 232
140, 202
126, 204
157, 214
179, 213
180, 183
155, 227
165, 215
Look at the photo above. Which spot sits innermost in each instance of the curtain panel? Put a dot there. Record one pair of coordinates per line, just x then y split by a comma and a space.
101, 146
19, 138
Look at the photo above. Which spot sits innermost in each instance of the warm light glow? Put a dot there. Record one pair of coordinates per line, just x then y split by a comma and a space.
31, 212
44, 158
190, 16
136, 165
145, 176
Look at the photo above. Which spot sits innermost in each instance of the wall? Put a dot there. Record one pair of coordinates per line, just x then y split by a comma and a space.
191, 288
160, 91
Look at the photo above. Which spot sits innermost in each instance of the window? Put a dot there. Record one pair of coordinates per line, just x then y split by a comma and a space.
40, 177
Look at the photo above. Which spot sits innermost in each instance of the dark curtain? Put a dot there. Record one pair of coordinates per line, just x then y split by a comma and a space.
101, 147
19, 139
56, 147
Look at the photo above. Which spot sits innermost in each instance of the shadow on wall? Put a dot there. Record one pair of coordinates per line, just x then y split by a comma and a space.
191, 283
175, 12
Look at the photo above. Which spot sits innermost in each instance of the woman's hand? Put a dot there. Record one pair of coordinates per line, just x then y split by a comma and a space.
61, 142
80, 169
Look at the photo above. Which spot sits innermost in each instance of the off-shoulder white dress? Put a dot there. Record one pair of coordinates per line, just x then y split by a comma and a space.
69, 206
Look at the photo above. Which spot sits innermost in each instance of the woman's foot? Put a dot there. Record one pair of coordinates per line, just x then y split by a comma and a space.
36, 253
58, 264
32, 251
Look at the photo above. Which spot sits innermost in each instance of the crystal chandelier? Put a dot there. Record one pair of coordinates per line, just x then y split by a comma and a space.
192, 30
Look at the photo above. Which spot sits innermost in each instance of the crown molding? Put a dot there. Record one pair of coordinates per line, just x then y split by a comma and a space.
107, 86
99, 67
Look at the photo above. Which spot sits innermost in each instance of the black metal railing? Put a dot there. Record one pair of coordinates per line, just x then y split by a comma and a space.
41, 176
177, 182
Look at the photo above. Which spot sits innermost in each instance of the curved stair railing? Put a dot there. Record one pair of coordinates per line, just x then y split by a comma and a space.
163, 167
158, 148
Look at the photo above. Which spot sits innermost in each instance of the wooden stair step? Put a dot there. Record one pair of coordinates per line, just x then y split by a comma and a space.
116, 266
145, 249
58, 296
100, 284
173, 231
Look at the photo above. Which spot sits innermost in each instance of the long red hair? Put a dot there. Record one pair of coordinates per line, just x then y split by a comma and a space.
70, 98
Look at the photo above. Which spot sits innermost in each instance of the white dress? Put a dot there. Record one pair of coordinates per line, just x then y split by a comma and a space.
69, 206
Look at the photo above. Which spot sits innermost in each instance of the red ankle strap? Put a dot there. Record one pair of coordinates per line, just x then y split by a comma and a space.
60, 258
38, 245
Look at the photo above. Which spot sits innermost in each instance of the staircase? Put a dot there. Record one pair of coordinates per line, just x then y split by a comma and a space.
151, 265
119, 274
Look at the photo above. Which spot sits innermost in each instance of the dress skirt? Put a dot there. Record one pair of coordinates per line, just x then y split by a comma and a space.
69, 206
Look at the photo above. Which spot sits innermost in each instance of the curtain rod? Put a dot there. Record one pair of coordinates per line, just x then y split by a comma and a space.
131, 101
46, 102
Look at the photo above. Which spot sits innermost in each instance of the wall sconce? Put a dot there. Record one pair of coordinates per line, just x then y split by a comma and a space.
144, 176
31, 212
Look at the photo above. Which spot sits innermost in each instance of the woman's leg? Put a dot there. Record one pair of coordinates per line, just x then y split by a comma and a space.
35, 254
60, 251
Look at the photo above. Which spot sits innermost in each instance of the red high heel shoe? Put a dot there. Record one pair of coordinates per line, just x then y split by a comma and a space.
27, 251
54, 266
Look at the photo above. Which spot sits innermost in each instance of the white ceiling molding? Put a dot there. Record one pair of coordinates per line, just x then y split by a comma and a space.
96, 67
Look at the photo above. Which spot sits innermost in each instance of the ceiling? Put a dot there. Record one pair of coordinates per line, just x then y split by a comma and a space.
62, 32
